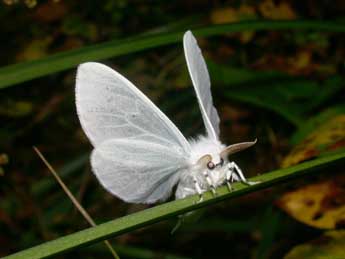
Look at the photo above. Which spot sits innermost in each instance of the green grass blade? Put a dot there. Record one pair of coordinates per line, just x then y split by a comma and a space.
149, 216
17, 73
291, 97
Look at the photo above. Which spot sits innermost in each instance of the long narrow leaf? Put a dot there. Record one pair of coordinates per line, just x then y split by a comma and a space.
17, 73
170, 209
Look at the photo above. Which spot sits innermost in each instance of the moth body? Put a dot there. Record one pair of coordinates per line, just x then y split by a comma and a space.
204, 145
207, 168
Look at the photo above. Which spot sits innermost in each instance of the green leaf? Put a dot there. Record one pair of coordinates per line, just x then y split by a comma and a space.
232, 76
289, 97
170, 209
268, 229
17, 73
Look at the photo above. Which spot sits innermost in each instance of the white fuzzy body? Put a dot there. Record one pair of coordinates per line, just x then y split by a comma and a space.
200, 147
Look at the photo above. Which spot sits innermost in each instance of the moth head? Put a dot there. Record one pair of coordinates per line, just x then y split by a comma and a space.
209, 162
232, 149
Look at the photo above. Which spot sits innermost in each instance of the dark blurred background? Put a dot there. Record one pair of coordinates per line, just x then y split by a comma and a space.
283, 87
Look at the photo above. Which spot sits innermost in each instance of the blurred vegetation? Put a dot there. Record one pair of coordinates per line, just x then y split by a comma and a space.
283, 87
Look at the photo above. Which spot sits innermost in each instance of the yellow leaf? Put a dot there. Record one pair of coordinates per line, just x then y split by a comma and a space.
328, 137
51, 11
36, 49
3, 159
30, 3
246, 36
229, 15
301, 60
16, 108
329, 246
320, 205
225, 15
281, 11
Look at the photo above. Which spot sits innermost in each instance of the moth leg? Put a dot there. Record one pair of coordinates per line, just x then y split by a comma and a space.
235, 168
229, 179
209, 182
198, 189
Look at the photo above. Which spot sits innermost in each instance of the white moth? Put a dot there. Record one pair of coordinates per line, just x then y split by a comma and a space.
139, 154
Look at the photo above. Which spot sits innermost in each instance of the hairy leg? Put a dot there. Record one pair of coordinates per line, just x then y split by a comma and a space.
210, 183
198, 189
232, 166
229, 179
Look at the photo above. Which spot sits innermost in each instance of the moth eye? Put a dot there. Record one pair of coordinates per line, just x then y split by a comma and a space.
210, 165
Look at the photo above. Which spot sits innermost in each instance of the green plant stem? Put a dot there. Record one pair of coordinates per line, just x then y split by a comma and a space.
18, 73
160, 212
